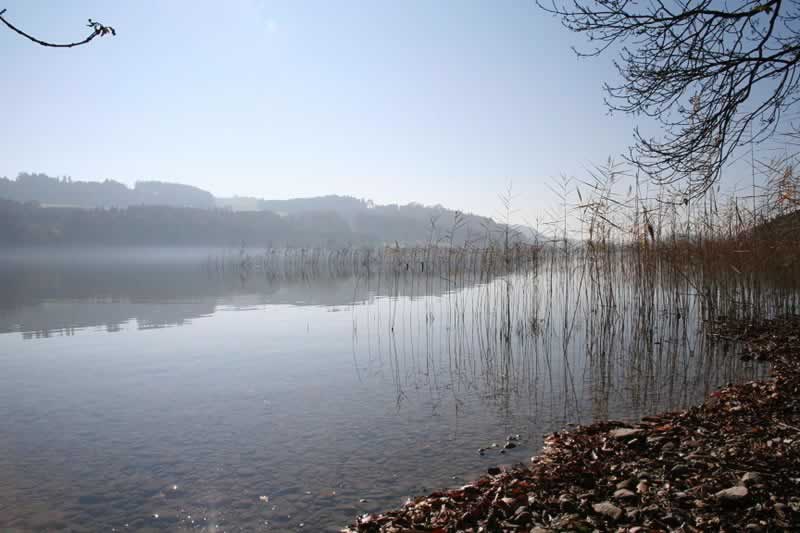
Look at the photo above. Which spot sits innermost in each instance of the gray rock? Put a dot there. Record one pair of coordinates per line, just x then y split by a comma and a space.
642, 487
732, 495
624, 494
608, 509
624, 433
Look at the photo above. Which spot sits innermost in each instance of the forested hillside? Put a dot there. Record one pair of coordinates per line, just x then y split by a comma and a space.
65, 192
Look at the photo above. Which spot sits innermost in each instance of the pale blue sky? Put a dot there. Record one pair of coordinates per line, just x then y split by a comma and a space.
398, 101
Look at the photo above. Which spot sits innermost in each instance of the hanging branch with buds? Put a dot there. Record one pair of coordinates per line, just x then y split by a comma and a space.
98, 30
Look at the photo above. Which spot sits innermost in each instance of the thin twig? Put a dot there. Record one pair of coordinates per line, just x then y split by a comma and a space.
787, 426
99, 30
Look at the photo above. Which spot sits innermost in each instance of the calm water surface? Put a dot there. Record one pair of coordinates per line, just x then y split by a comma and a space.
139, 396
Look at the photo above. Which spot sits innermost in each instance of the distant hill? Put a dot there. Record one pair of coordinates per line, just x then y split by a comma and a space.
44, 210
409, 224
28, 224
64, 192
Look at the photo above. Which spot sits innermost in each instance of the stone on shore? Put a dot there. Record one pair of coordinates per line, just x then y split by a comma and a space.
608, 509
624, 433
732, 495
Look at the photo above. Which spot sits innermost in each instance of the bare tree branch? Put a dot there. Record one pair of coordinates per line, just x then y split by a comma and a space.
97, 30
707, 70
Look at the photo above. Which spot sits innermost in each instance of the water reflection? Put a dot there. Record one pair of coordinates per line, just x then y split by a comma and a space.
561, 360
42, 300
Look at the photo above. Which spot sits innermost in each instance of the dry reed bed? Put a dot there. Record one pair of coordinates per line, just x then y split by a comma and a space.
426, 261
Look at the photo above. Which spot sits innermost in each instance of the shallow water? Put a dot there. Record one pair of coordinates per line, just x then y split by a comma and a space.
165, 396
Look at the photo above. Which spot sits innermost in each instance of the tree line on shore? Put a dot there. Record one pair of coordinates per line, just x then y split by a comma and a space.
36, 209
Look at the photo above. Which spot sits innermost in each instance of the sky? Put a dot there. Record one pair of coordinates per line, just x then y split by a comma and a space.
438, 102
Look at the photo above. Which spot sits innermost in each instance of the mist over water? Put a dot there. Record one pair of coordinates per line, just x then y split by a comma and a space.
149, 390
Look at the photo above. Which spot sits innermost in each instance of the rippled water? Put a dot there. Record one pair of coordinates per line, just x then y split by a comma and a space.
145, 395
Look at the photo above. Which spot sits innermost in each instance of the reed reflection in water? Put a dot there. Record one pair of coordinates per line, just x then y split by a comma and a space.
124, 381
564, 357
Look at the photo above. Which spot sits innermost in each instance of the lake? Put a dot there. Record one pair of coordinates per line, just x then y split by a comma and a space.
151, 392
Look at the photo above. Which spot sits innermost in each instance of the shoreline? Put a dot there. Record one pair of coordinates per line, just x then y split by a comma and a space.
730, 464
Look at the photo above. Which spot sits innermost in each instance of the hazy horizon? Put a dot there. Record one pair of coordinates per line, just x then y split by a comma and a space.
439, 103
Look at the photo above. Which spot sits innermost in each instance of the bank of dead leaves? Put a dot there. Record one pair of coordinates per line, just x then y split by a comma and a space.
731, 464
